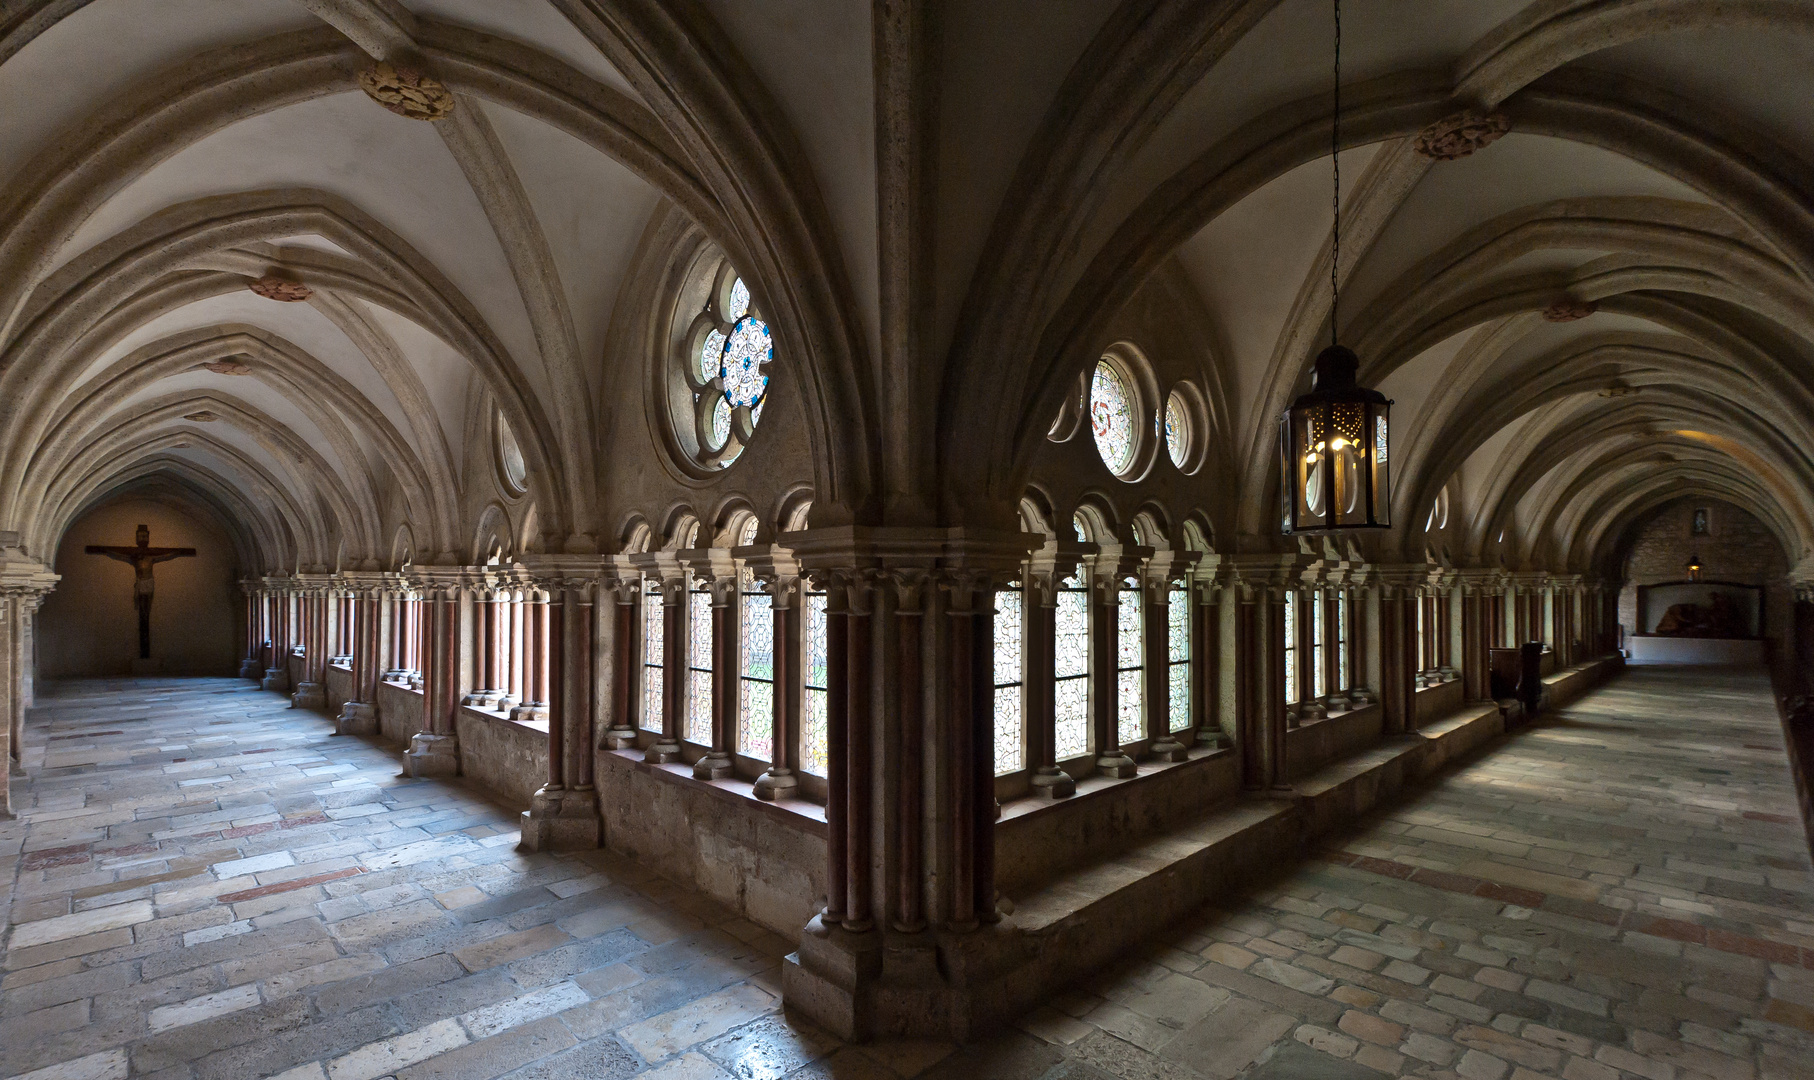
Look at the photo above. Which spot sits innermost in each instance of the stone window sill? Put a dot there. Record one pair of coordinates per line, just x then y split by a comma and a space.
1094, 787
499, 716
799, 813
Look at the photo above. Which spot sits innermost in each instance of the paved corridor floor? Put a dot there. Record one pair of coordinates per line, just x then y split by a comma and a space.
205, 884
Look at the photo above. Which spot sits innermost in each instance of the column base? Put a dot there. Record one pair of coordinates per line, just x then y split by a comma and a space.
1117, 765
777, 784
1052, 783
309, 695
662, 753
1213, 738
1167, 748
530, 713
276, 679
1337, 703
1361, 697
713, 766
432, 755
561, 820
620, 738
1312, 710
356, 718
249, 669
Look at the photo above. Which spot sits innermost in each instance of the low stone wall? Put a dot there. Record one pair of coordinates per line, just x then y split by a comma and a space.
1435, 702
1578, 680
506, 757
399, 712
1037, 838
339, 688
765, 861
1316, 743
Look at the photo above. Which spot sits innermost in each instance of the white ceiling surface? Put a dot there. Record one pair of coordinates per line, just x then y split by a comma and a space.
1251, 262
529, 22
106, 47
799, 48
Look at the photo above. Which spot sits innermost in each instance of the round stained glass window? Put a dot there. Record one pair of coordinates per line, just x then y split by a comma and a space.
1112, 417
725, 367
1177, 429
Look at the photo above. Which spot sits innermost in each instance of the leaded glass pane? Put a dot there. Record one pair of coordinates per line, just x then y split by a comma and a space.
1071, 664
749, 347
1177, 653
1291, 648
1112, 417
1129, 700
1318, 679
740, 301
721, 425
1008, 712
652, 630
699, 666
813, 723
1177, 429
756, 715
1341, 640
711, 356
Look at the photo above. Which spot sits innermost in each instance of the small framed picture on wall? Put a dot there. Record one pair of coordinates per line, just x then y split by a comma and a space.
1701, 524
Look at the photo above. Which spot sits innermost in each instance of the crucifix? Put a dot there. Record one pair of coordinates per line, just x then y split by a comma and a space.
143, 558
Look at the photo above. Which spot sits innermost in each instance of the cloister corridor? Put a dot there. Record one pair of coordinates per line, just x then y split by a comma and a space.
206, 884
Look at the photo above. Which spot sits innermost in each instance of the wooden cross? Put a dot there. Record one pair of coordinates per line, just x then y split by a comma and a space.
143, 558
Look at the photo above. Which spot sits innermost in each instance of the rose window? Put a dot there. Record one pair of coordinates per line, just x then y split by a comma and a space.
726, 370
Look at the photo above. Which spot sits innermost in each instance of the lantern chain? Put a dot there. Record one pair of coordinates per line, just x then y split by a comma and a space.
1335, 149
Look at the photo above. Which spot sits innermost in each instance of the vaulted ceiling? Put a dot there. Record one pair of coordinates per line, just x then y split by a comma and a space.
1604, 309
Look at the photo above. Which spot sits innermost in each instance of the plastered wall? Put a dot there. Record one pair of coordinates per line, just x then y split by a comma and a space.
88, 625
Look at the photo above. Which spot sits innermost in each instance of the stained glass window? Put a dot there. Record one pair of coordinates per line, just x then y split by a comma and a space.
813, 721
654, 624
1318, 680
1341, 640
756, 715
1177, 654
1291, 647
1009, 634
1071, 664
1130, 699
726, 372
1112, 417
699, 664
1177, 429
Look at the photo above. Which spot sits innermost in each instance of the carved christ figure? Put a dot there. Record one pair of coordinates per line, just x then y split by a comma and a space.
143, 558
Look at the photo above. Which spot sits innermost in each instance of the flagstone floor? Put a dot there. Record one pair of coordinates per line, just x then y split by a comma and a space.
204, 884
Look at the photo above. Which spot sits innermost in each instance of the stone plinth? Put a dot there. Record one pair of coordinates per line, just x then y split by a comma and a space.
432, 755
277, 678
560, 820
356, 718
309, 695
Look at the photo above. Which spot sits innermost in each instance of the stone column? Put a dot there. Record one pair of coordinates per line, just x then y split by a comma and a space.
1475, 631
1263, 583
1363, 636
1209, 640
1803, 636
663, 568
277, 671
249, 666
359, 714
1056, 559
435, 749
564, 814
1310, 705
1104, 573
311, 692
625, 594
1161, 569
24, 582
779, 573
1399, 595
716, 567
910, 871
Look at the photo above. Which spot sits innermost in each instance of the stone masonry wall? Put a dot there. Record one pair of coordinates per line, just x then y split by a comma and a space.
1739, 548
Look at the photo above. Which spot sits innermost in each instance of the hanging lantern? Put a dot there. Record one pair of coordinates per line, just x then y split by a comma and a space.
1694, 568
1333, 451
